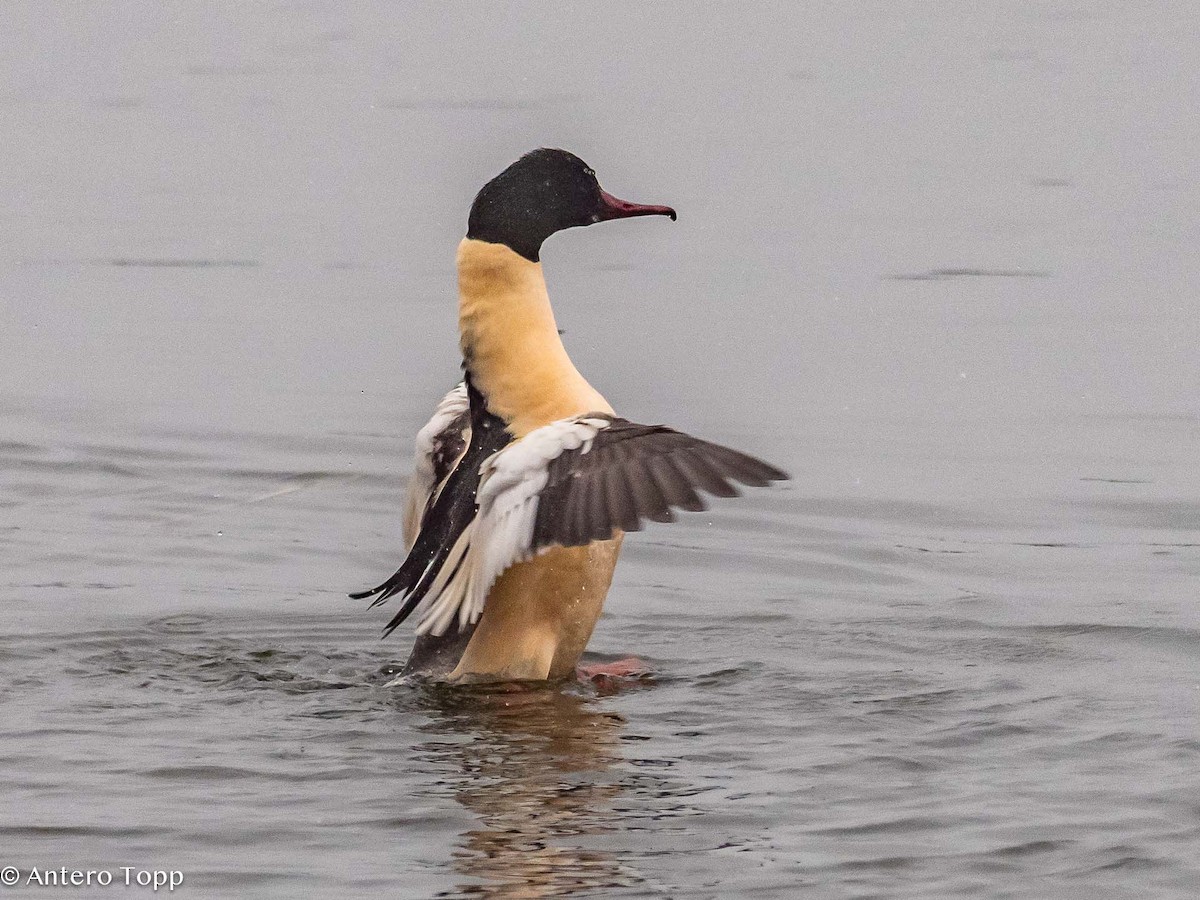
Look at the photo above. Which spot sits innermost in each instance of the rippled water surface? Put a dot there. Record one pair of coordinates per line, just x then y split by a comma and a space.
938, 262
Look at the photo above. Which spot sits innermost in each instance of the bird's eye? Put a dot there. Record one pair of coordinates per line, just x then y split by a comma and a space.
589, 173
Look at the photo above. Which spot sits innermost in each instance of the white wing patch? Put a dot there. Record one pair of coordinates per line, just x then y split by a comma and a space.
422, 483
501, 534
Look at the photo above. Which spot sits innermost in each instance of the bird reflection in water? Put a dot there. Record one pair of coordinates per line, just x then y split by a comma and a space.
541, 769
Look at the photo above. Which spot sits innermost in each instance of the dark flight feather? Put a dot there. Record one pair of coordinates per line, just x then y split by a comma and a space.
631, 473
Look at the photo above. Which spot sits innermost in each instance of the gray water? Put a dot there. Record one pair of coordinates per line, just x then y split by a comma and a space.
937, 259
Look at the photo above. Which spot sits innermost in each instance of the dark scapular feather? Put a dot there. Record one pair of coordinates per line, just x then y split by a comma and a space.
447, 517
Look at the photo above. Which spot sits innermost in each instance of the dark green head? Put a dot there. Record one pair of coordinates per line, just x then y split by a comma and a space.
543, 192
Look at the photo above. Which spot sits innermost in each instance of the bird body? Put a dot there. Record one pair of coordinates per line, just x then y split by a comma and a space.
540, 615
541, 612
525, 481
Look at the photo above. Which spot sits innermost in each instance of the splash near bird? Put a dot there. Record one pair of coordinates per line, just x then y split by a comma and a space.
525, 480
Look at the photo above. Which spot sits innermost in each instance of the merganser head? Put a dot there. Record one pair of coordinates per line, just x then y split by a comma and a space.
543, 192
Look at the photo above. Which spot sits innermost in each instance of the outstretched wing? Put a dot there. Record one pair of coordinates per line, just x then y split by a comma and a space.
570, 483
439, 446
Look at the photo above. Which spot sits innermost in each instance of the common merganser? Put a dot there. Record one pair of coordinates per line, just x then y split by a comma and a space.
525, 481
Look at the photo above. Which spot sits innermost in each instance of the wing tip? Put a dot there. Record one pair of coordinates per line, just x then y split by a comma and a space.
774, 473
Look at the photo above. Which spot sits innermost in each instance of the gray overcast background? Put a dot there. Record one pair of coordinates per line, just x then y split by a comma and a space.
819, 158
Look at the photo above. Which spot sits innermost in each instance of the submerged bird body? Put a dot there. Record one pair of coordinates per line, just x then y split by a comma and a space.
525, 481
